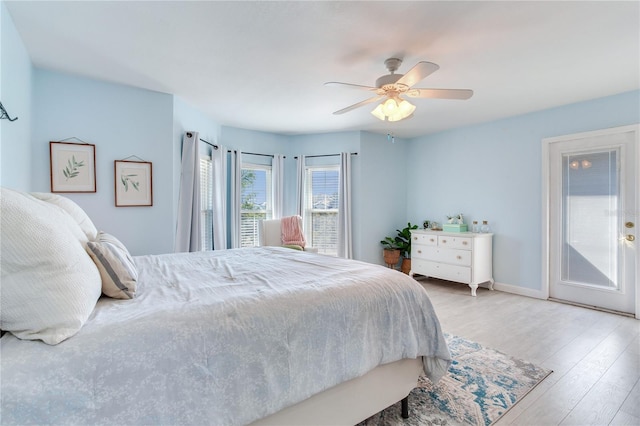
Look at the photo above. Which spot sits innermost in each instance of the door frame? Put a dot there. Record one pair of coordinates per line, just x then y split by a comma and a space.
546, 143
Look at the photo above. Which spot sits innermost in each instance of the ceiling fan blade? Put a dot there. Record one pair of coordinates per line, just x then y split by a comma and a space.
418, 72
440, 93
358, 105
351, 86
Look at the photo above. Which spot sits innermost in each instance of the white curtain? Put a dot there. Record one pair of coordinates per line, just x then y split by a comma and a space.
277, 176
219, 166
344, 208
236, 197
188, 227
300, 172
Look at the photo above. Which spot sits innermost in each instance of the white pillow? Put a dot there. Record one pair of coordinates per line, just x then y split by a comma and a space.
49, 283
117, 269
74, 210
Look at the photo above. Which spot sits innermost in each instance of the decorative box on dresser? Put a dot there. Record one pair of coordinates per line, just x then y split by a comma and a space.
464, 257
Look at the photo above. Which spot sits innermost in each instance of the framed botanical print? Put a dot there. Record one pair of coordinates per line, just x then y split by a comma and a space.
133, 183
73, 167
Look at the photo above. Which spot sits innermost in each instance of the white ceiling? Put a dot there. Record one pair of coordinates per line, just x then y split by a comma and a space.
262, 65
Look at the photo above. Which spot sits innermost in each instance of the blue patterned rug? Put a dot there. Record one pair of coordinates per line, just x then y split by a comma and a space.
481, 385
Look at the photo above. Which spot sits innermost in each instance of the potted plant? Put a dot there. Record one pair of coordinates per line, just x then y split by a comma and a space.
404, 241
391, 252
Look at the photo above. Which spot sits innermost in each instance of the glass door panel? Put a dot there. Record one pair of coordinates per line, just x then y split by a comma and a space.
590, 186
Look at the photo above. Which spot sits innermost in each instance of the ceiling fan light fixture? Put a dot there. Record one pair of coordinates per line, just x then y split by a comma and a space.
406, 108
394, 109
389, 107
377, 112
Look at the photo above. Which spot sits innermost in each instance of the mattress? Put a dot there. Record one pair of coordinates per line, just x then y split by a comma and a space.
224, 337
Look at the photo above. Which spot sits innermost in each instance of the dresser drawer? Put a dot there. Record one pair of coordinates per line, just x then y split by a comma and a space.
424, 239
420, 251
438, 254
461, 274
463, 243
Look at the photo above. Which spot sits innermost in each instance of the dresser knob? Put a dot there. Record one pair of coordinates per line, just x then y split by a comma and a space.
458, 257
464, 243
432, 240
444, 241
415, 238
419, 251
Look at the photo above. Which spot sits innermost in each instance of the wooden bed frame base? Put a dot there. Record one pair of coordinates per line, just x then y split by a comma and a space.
353, 401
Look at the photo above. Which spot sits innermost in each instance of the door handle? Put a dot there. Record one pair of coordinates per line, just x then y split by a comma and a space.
631, 237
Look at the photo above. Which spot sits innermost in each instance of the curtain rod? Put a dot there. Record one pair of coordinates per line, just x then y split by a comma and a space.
247, 153
253, 153
209, 143
323, 155
271, 155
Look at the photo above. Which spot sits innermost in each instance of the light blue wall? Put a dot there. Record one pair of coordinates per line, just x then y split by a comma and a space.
16, 96
121, 121
493, 171
382, 194
253, 141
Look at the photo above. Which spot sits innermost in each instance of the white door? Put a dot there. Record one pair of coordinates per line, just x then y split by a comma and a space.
593, 217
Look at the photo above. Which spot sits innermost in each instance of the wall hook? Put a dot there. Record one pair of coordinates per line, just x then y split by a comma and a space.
5, 114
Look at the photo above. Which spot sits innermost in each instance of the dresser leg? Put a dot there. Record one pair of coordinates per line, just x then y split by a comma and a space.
491, 282
474, 287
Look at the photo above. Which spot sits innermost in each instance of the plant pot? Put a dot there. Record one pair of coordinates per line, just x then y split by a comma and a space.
406, 265
391, 257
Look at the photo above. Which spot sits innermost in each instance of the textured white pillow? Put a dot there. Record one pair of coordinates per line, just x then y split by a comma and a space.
117, 269
50, 285
74, 210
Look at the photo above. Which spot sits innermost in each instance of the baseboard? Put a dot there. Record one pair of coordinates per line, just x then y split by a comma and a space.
514, 289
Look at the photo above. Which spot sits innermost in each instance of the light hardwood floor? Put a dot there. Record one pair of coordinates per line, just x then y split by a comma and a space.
595, 356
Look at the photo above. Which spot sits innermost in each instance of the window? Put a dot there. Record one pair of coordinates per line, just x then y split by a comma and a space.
256, 201
206, 203
321, 208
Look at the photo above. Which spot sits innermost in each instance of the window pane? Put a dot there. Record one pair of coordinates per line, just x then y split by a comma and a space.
590, 191
321, 215
256, 202
254, 189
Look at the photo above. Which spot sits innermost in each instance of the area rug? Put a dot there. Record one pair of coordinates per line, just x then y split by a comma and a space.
481, 385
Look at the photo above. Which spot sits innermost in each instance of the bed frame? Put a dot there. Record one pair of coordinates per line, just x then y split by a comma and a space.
353, 401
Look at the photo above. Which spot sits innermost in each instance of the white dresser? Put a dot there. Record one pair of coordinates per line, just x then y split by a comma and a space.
464, 257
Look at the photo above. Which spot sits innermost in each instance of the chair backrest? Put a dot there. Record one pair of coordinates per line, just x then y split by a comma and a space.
270, 232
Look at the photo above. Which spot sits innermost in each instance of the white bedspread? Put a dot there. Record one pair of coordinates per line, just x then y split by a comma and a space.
224, 337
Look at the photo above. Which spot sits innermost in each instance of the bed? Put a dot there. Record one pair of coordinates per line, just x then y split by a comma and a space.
264, 335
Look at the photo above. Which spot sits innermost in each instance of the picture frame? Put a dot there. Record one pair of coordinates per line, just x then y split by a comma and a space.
72, 167
133, 183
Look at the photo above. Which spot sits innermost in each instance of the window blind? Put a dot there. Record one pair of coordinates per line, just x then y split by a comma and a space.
206, 203
321, 208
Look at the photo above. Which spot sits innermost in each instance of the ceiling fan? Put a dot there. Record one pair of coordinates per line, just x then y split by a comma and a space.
394, 86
